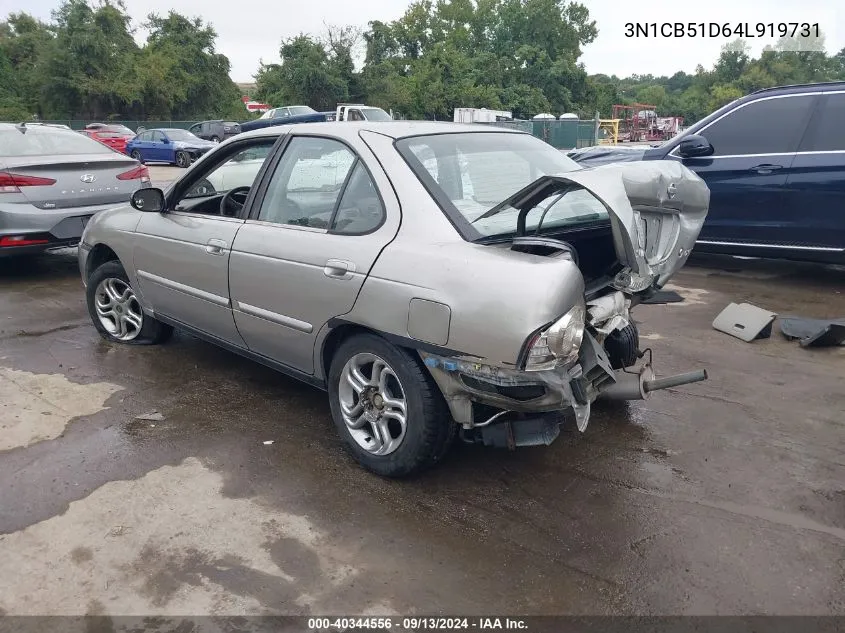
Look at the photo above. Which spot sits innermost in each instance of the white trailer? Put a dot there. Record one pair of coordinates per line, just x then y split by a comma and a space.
481, 115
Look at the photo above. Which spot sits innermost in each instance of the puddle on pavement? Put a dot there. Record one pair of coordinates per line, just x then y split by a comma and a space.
37, 407
170, 543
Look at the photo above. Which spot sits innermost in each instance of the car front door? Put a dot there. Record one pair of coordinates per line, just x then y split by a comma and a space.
816, 184
142, 145
182, 255
754, 149
310, 240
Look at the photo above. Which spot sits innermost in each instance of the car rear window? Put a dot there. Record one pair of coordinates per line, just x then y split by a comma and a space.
471, 173
48, 141
120, 130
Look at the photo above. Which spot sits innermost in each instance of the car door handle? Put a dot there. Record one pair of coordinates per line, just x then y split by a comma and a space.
765, 169
339, 269
215, 247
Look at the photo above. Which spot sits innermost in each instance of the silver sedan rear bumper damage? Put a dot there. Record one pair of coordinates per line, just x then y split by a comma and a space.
523, 408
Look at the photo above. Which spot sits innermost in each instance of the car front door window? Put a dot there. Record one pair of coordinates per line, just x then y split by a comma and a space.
204, 193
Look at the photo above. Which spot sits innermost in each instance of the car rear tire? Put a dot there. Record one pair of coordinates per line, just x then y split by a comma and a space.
115, 311
183, 159
214, 139
387, 408
137, 156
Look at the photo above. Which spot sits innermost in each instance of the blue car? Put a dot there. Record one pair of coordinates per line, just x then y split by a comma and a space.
775, 165
168, 145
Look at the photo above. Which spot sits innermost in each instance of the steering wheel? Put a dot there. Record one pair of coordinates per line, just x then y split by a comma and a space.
234, 199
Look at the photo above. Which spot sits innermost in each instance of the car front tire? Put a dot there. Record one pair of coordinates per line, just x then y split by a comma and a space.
183, 159
115, 311
137, 156
387, 408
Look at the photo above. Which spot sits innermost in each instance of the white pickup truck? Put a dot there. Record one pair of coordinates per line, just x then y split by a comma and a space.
358, 112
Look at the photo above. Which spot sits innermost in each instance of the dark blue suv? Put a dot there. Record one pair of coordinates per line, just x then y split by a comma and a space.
775, 164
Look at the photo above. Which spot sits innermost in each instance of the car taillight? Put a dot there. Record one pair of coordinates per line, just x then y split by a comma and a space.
20, 240
11, 183
140, 171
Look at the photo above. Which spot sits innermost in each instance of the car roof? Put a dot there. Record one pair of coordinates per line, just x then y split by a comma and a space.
393, 129
814, 87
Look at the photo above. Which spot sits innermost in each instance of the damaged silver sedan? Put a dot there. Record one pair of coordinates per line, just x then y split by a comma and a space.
436, 279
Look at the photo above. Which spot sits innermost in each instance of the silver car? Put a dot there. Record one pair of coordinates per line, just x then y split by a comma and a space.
436, 279
52, 180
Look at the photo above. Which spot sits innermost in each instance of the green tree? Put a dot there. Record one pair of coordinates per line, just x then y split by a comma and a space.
195, 77
307, 75
24, 45
88, 69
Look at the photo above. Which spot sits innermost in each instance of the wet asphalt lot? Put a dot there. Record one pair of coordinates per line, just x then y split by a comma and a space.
722, 497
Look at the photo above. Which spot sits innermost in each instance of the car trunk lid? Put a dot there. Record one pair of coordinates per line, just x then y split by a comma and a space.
76, 180
656, 209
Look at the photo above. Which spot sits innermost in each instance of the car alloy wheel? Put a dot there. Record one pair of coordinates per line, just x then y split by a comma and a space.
118, 309
182, 159
372, 403
136, 155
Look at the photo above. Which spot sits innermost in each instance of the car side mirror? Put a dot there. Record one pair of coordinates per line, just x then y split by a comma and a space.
694, 145
149, 200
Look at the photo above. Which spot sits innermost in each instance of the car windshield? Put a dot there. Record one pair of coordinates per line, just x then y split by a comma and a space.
472, 174
44, 141
181, 135
295, 110
375, 114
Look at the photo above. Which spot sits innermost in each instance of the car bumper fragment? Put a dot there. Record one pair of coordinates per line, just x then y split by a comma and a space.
536, 401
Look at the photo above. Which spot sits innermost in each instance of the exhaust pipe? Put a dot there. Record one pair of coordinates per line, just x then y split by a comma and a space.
639, 386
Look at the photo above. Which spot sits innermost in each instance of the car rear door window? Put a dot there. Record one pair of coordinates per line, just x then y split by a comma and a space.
767, 126
360, 209
308, 182
827, 131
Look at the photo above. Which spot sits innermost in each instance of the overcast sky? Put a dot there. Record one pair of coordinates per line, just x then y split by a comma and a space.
251, 31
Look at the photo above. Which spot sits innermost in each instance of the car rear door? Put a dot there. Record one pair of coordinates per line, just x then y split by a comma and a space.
816, 183
754, 149
316, 228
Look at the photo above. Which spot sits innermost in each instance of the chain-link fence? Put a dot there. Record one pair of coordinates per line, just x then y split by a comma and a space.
76, 124
565, 135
